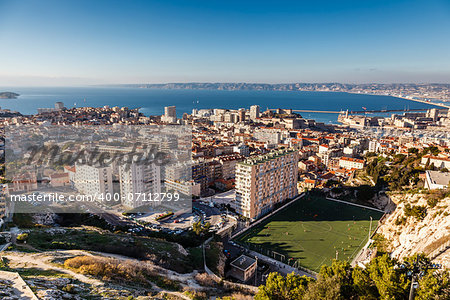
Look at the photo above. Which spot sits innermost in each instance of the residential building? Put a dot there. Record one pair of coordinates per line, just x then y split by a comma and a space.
439, 162
254, 112
136, 180
265, 180
170, 115
242, 150
351, 163
93, 180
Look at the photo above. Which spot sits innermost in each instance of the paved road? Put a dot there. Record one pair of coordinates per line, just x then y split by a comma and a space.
212, 213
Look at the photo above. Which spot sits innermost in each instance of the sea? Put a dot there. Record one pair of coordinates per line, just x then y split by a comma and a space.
152, 101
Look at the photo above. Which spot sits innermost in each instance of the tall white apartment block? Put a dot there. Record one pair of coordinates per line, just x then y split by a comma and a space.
254, 112
139, 183
265, 180
93, 180
170, 114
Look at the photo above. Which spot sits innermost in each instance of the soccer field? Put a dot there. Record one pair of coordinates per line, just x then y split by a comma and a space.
312, 231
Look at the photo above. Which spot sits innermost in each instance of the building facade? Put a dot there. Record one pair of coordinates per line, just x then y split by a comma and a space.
93, 180
351, 163
138, 179
265, 180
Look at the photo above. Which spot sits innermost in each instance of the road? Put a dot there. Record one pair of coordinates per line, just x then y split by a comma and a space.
212, 213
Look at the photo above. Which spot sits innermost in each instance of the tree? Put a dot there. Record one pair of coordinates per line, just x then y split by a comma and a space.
413, 150
363, 284
340, 272
278, 287
324, 288
391, 283
383, 278
434, 285
199, 228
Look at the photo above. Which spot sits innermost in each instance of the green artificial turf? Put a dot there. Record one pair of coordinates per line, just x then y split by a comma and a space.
311, 230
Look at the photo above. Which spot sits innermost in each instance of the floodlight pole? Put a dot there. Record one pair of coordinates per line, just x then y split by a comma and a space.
412, 288
256, 270
370, 228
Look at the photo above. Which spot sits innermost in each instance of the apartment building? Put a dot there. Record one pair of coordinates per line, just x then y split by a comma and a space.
265, 180
93, 180
439, 162
228, 163
254, 112
138, 179
351, 163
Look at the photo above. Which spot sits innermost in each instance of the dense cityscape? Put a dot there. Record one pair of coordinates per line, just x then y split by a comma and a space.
247, 170
224, 150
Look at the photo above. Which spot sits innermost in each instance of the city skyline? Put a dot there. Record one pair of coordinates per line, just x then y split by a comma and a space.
50, 43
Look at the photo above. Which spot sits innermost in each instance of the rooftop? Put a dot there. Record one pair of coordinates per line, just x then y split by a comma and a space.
243, 262
437, 177
255, 160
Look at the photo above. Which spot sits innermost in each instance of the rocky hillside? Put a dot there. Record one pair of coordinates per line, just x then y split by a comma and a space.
420, 223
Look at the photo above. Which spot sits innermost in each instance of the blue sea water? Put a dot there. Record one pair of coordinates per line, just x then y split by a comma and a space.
152, 101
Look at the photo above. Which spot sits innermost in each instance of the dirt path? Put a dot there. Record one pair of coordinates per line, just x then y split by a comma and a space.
42, 261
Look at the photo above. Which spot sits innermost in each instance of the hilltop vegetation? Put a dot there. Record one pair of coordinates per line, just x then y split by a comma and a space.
399, 171
159, 251
382, 279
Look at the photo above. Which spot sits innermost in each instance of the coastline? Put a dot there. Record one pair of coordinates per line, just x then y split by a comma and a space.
406, 98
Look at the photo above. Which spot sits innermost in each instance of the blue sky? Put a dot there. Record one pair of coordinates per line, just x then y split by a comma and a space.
94, 42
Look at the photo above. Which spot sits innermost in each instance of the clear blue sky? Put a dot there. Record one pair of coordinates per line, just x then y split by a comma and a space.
91, 42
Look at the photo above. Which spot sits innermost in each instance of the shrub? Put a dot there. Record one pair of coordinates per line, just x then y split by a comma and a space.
120, 271
417, 211
22, 237
69, 288
401, 220
432, 202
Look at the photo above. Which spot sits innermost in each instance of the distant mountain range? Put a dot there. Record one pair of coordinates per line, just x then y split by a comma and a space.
8, 95
343, 87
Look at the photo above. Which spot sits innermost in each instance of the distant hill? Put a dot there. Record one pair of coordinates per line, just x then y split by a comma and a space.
8, 95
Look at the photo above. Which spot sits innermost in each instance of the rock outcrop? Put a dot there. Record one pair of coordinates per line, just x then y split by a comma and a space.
408, 235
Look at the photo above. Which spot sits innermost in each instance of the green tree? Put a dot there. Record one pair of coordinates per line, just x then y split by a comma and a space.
342, 271
324, 288
278, 287
391, 283
434, 285
199, 228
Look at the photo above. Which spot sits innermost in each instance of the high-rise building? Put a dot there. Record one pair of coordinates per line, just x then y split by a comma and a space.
254, 112
170, 114
433, 113
139, 182
170, 111
241, 115
93, 180
59, 105
265, 180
